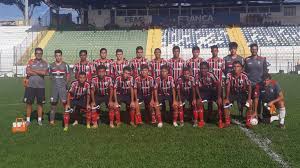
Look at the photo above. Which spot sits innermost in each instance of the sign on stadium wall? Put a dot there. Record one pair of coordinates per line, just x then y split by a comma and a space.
209, 19
128, 21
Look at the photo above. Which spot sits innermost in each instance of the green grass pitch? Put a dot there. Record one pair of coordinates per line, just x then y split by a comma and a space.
146, 146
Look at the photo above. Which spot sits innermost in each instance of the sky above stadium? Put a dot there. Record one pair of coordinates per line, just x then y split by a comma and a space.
11, 12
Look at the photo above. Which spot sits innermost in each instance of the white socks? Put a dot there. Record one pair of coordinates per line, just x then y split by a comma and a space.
28, 119
39, 118
274, 118
282, 113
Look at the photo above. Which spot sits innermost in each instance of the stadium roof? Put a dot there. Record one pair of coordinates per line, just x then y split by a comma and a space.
159, 3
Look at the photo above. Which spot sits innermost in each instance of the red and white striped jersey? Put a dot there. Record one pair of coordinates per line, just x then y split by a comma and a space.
78, 90
207, 81
185, 85
156, 65
106, 62
135, 64
238, 83
216, 66
117, 68
176, 66
144, 86
102, 86
122, 85
164, 86
88, 68
194, 64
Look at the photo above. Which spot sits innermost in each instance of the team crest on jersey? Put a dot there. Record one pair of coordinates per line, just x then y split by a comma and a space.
241, 82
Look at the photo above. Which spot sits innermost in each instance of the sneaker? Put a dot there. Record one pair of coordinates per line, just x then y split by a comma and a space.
201, 124
132, 124
52, 123
66, 129
181, 124
88, 126
220, 124
75, 123
95, 126
195, 124
248, 125
40, 123
111, 125
159, 125
282, 126
175, 124
118, 124
28, 123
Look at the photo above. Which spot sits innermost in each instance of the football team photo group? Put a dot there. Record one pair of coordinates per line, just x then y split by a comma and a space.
156, 91
149, 83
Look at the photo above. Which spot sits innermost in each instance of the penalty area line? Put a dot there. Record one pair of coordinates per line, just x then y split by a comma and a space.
263, 143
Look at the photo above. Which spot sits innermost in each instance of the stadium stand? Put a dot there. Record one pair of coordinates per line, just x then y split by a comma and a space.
273, 36
187, 38
14, 41
71, 42
280, 44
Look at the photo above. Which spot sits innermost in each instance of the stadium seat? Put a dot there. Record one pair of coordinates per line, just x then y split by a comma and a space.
273, 36
71, 42
187, 38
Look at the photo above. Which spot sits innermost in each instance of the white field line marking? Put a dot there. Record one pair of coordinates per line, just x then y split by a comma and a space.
12, 104
263, 143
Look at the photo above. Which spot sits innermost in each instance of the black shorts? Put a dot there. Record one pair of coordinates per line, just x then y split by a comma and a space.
209, 94
32, 93
124, 99
79, 102
241, 98
144, 98
185, 97
102, 99
164, 98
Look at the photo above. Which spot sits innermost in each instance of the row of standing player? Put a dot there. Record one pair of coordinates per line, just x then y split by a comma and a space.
211, 83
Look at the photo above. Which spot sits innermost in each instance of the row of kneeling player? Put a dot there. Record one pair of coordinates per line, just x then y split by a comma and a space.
154, 93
